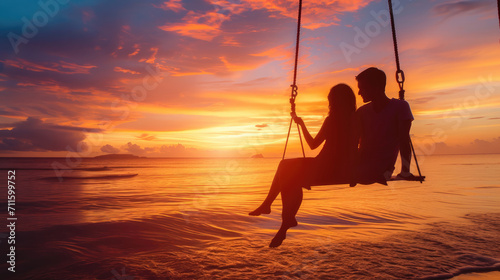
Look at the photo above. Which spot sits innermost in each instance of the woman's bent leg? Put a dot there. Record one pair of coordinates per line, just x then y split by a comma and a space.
285, 173
291, 197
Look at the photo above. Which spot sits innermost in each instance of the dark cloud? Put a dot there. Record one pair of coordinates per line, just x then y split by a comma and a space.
52, 106
36, 135
454, 8
7, 112
73, 128
110, 149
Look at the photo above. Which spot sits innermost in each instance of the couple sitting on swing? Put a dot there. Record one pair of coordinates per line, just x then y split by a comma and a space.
361, 146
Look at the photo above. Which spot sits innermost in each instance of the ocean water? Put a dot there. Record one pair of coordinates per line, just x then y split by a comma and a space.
188, 219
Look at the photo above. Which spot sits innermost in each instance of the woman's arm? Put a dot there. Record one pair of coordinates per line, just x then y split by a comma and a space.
312, 142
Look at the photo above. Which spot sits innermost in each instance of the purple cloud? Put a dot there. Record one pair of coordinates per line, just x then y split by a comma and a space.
454, 8
110, 149
177, 150
134, 149
34, 134
478, 146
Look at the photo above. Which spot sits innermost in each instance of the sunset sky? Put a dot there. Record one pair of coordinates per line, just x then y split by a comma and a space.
212, 77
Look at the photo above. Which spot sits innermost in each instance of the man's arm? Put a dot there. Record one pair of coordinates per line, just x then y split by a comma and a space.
404, 146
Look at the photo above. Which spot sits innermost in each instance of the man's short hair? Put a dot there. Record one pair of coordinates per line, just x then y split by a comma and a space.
374, 76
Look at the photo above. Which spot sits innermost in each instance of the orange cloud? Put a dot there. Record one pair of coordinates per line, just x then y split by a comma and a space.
315, 14
446, 112
177, 72
199, 26
73, 68
152, 58
182, 74
137, 50
173, 5
278, 52
123, 70
235, 67
62, 67
195, 30
230, 41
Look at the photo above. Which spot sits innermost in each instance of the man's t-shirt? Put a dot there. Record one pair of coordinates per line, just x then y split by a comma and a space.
379, 139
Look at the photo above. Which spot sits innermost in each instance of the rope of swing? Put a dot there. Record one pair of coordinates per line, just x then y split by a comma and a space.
400, 75
294, 86
498, 6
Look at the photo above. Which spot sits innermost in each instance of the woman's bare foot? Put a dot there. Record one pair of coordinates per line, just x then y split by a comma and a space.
278, 238
281, 235
261, 210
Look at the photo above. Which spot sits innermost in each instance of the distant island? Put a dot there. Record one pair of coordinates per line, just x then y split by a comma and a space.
258, 156
117, 156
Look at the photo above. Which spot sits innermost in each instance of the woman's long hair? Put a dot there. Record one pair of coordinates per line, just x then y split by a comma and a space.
342, 108
342, 103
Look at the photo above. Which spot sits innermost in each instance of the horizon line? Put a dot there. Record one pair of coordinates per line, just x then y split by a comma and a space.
226, 157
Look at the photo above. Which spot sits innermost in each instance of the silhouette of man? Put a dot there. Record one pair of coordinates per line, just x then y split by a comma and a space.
382, 129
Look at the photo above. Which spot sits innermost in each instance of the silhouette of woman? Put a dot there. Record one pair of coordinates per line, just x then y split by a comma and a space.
331, 166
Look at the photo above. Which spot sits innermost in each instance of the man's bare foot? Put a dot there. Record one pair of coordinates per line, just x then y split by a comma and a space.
261, 210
